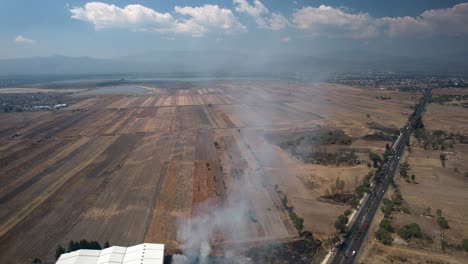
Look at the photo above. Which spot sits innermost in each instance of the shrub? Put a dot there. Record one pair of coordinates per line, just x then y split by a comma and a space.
384, 236
443, 244
83, 244
443, 223
387, 207
410, 231
59, 251
386, 224
465, 244
347, 212
341, 222
375, 158
297, 221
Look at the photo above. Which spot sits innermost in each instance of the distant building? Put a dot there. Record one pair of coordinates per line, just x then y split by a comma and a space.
139, 254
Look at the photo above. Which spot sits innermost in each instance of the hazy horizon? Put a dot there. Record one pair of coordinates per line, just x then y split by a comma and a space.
230, 35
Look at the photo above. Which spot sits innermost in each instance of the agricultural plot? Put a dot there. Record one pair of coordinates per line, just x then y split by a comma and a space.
127, 168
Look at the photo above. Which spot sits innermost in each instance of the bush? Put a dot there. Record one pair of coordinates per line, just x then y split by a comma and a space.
59, 251
297, 221
465, 244
386, 224
443, 223
387, 208
443, 244
347, 212
410, 231
83, 244
354, 202
397, 199
384, 236
341, 222
376, 159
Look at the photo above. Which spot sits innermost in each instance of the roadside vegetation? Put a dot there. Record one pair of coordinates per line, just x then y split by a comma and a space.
297, 221
447, 98
341, 222
384, 233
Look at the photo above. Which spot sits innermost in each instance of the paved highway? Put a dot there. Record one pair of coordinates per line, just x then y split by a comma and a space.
357, 232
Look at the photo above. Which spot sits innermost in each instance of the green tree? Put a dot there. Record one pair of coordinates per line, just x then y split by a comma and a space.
410, 231
386, 224
387, 207
384, 236
443, 158
59, 251
340, 223
413, 177
375, 158
443, 223
106, 244
36, 260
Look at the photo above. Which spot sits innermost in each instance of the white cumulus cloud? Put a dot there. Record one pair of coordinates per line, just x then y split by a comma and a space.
193, 20
207, 18
449, 21
327, 20
261, 14
21, 39
136, 17
330, 21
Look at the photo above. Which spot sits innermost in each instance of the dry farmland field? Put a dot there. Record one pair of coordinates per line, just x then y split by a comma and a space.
125, 167
438, 185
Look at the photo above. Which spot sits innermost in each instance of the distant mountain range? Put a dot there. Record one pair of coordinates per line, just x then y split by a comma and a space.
229, 63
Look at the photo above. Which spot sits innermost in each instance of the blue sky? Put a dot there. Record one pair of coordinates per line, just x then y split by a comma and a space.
113, 29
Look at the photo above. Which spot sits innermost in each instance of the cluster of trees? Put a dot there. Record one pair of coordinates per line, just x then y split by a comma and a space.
389, 205
404, 167
76, 245
410, 231
438, 139
445, 98
341, 157
298, 222
384, 233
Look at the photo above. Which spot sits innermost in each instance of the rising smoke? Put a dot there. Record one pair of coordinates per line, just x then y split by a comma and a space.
227, 224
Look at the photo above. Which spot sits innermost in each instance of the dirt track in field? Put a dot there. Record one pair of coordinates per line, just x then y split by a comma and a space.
124, 168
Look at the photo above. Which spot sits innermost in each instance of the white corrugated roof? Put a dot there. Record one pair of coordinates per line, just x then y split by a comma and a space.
139, 254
